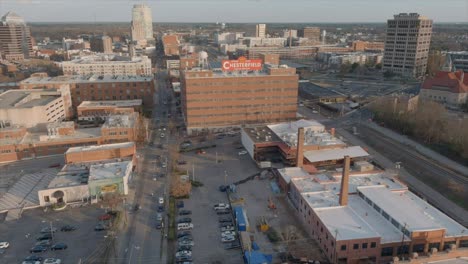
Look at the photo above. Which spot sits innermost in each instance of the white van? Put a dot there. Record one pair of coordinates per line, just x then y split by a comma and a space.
184, 226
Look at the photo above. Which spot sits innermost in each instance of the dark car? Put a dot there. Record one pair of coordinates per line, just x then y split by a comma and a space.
159, 224
183, 234
223, 188
184, 220
225, 224
189, 238
100, 227
45, 236
182, 248
59, 246
67, 228
185, 212
232, 245
180, 204
33, 258
223, 212
225, 219
38, 249
181, 162
160, 208
184, 258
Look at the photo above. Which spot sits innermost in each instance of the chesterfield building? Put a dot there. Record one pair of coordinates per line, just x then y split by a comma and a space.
239, 92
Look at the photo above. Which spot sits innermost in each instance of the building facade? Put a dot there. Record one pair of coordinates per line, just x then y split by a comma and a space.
142, 24
98, 88
15, 38
214, 99
407, 42
260, 30
311, 33
101, 44
456, 60
101, 110
368, 46
447, 88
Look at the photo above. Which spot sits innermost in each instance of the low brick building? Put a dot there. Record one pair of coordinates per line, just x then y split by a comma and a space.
91, 110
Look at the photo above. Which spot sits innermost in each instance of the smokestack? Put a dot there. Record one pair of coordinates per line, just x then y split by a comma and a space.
300, 147
345, 182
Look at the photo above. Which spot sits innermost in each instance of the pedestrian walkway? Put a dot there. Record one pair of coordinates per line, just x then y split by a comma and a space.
23, 194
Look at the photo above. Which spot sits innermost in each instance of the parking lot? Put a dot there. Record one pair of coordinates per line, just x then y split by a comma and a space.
233, 167
82, 242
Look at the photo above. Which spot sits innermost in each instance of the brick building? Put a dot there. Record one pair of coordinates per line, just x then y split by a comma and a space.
367, 46
102, 152
171, 45
214, 99
91, 110
448, 88
98, 87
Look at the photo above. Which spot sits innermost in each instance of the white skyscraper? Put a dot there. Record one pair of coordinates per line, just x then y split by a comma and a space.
142, 24
260, 31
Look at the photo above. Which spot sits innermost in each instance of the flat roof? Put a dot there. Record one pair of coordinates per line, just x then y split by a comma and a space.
109, 170
25, 99
321, 199
100, 147
407, 208
345, 223
120, 120
86, 79
41, 137
289, 173
261, 134
117, 103
317, 91
102, 58
334, 154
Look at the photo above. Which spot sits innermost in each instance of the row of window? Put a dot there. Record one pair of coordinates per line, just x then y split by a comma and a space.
240, 114
268, 98
241, 106
251, 91
363, 246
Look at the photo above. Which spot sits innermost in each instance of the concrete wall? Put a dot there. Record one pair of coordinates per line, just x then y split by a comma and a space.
247, 143
100, 154
71, 194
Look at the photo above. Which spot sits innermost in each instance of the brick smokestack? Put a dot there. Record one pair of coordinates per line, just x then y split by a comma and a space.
300, 147
345, 182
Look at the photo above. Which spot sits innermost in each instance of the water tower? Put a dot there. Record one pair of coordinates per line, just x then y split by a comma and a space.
203, 59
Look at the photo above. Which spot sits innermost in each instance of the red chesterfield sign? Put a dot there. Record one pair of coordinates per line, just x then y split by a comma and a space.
241, 64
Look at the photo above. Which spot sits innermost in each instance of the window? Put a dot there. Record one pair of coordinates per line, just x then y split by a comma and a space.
343, 247
373, 244
356, 246
46, 199
364, 245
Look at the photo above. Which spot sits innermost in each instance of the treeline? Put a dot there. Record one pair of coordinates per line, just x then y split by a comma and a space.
429, 123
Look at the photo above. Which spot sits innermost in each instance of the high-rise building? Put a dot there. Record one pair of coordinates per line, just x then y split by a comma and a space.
407, 44
101, 44
260, 30
311, 33
15, 37
142, 24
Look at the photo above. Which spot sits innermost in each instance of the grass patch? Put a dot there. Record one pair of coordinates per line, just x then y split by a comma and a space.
171, 235
273, 235
196, 183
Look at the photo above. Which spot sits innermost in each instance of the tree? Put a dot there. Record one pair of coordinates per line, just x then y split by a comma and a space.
354, 66
345, 68
388, 74
378, 66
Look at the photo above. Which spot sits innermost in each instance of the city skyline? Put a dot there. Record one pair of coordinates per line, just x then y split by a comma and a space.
273, 11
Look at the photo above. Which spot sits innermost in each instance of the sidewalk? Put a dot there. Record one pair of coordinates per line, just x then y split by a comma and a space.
420, 148
433, 197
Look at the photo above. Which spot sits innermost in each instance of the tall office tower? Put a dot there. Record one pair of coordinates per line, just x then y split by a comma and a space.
101, 44
260, 31
15, 38
142, 24
407, 44
311, 33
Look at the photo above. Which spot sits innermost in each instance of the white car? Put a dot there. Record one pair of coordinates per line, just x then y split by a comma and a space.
228, 234
162, 135
243, 152
164, 165
4, 244
161, 200
52, 261
221, 206
227, 228
183, 253
184, 226
228, 239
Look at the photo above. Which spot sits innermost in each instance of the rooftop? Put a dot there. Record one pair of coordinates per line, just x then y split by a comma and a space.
86, 79
117, 103
289, 173
109, 170
120, 120
68, 124
42, 137
335, 154
410, 210
26, 98
100, 147
107, 58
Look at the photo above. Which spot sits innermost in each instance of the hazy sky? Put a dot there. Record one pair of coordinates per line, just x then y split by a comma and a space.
237, 10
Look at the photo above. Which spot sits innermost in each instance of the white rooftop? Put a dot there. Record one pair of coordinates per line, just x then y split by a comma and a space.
116, 103
120, 121
86, 79
293, 172
334, 154
102, 58
100, 147
314, 133
407, 208
109, 170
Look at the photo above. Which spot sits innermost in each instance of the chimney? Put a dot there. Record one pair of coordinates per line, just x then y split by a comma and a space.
345, 182
300, 147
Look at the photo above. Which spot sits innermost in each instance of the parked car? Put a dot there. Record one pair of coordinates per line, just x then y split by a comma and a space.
201, 151
162, 135
164, 165
160, 208
33, 258
52, 261
184, 226
227, 228
186, 243
184, 220
223, 212
243, 152
38, 249
159, 224
187, 238
221, 206
45, 236
228, 239
100, 227
232, 245
181, 162
225, 224
104, 217
180, 204
183, 253
184, 248
48, 230
184, 233
183, 259
159, 217
4, 244
45, 243
228, 233
59, 246
185, 212
67, 228
161, 200
225, 220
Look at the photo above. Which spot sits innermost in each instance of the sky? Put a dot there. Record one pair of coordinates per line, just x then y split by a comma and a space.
293, 11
